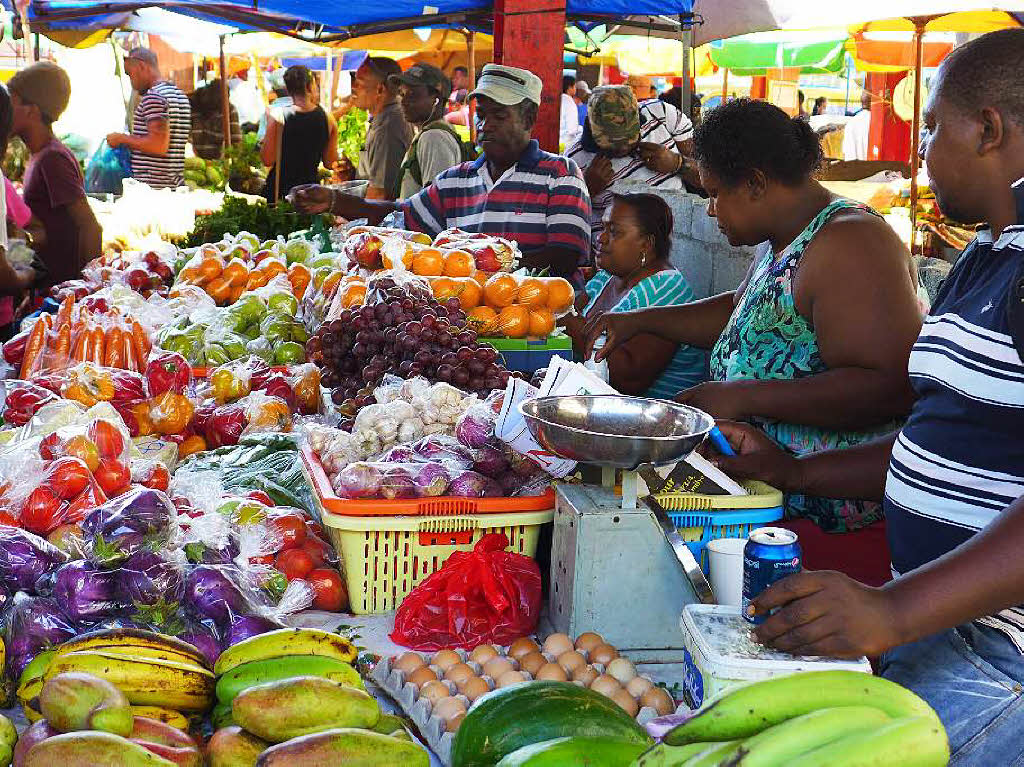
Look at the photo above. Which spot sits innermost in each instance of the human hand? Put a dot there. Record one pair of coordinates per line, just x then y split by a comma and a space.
598, 175
757, 457
827, 613
311, 199
617, 329
658, 158
719, 399
114, 140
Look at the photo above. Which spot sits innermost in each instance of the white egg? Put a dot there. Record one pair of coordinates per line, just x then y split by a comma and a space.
622, 669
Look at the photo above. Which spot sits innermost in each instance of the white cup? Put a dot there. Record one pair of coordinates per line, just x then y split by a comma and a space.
725, 560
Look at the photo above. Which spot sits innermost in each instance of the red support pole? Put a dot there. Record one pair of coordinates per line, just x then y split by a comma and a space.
529, 34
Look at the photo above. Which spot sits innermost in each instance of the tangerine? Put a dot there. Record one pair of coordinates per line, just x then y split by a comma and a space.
459, 263
514, 321
429, 262
481, 277
469, 293
236, 293
482, 318
219, 290
189, 274
390, 248
501, 290
533, 292
444, 288
236, 272
542, 322
331, 283
210, 268
273, 267
560, 295
353, 294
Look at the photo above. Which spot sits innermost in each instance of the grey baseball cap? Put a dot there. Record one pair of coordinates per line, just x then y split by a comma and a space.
508, 85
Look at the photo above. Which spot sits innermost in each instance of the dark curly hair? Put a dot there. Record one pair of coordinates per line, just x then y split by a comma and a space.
746, 135
654, 216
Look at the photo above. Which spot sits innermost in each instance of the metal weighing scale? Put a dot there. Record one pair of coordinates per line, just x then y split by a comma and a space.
617, 561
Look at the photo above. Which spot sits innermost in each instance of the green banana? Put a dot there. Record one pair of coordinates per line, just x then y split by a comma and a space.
285, 642
714, 756
275, 669
747, 710
221, 716
917, 741
778, 745
663, 755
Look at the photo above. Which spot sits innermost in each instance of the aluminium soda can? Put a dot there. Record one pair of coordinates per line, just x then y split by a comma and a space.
771, 554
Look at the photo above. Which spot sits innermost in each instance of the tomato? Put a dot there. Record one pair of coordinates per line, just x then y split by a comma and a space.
41, 512
67, 477
329, 591
294, 563
7, 519
319, 551
113, 476
50, 448
291, 528
259, 495
156, 478
84, 448
315, 528
109, 440
267, 559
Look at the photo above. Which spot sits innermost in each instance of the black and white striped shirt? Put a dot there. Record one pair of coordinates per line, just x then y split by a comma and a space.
163, 102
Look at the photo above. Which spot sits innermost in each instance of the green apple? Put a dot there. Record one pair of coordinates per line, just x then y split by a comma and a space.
289, 353
215, 354
283, 303
262, 348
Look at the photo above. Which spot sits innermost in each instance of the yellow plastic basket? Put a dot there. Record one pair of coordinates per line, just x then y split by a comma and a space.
384, 558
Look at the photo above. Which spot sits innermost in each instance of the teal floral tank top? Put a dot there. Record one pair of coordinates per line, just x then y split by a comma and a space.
766, 338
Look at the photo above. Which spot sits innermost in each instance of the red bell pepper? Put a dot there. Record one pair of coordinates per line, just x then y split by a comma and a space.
168, 371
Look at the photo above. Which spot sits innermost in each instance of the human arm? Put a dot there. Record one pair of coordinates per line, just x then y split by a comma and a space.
330, 153
156, 141
598, 174
268, 149
90, 234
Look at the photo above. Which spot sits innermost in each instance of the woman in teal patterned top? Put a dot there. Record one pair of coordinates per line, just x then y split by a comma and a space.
635, 273
813, 346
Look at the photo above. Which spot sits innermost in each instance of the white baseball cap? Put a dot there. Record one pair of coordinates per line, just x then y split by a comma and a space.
508, 85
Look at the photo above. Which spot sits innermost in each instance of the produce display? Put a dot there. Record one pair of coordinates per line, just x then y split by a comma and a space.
238, 214
509, 306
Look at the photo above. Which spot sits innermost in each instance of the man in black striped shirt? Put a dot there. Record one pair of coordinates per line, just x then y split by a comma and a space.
160, 125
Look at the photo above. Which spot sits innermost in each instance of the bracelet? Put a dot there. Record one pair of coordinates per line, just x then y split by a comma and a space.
679, 167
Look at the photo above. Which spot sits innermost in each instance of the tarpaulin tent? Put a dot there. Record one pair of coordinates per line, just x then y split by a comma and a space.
811, 52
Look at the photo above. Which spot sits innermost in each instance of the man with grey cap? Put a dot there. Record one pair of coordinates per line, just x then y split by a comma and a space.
160, 126
513, 190
423, 92
54, 188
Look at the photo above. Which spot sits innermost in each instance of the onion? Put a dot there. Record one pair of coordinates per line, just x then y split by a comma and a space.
431, 480
358, 480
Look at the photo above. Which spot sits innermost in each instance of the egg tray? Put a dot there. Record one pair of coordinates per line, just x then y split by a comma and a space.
432, 727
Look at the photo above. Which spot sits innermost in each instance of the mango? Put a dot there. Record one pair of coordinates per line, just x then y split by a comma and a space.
166, 741
234, 747
92, 749
36, 733
387, 724
280, 711
221, 717
76, 701
352, 748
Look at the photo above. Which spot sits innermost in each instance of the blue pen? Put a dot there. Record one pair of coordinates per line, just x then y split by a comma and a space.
720, 442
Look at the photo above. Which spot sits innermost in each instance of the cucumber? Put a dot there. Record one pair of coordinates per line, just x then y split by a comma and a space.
575, 752
275, 669
510, 718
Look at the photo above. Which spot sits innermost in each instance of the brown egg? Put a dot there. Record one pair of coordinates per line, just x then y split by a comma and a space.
556, 644
409, 662
434, 691
460, 673
475, 688
659, 700
571, 661
483, 653
626, 702
585, 674
422, 675
622, 669
449, 707
552, 671
522, 647
496, 667
606, 685
510, 678
638, 685
453, 724
603, 653
445, 659
588, 641
532, 662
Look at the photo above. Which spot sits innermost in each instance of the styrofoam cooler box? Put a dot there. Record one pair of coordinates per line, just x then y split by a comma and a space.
721, 652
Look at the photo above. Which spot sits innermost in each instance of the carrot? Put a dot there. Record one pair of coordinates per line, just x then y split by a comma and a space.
81, 340
48, 319
34, 347
129, 359
112, 348
64, 313
141, 343
62, 348
96, 345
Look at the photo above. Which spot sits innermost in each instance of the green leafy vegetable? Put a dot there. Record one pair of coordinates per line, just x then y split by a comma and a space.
237, 215
352, 129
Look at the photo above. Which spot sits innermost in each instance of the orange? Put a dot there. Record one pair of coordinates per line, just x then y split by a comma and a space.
560, 295
542, 322
352, 278
300, 277
481, 277
210, 268
236, 272
331, 283
428, 263
444, 288
483, 319
353, 294
469, 293
513, 321
189, 274
533, 292
219, 290
257, 279
407, 254
273, 267
459, 263
501, 290
236, 293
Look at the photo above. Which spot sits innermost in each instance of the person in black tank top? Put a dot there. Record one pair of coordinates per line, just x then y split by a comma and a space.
306, 134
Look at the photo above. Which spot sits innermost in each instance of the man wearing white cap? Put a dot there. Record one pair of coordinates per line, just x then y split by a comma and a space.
514, 190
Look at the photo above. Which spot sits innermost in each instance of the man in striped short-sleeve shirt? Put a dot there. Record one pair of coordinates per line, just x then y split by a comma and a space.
513, 190
951, 625
161, 124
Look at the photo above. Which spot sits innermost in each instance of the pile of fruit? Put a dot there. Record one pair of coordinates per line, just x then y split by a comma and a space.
510, 306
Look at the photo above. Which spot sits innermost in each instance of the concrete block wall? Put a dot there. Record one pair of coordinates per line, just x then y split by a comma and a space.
699, 250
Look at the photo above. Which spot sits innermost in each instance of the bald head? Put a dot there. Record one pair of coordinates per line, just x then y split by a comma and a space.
987, 72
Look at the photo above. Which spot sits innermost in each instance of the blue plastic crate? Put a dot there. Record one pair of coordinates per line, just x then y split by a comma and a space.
530, 355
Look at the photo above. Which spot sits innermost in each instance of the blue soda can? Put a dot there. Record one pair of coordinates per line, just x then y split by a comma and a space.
771, 554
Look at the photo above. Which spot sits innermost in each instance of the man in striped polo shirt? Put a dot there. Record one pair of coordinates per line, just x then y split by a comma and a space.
951, 625
161, 124
512, 190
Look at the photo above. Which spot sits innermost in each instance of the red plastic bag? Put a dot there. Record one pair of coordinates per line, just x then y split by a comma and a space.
488, 595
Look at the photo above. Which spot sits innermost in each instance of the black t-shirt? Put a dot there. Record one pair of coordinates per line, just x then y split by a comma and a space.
303, 141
